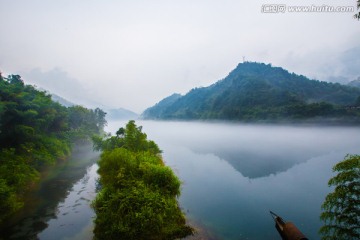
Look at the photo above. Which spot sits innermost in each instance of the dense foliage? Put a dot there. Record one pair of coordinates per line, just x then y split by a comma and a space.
256, 91
341, 208
138, 197
34, 132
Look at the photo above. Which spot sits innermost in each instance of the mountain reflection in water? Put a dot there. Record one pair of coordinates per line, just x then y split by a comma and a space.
233, 174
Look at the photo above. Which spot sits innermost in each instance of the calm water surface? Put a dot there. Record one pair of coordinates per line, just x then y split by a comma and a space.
74, 216
233, 174
60, 206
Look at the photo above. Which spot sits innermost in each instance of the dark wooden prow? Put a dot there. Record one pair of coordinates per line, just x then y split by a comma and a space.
287, 230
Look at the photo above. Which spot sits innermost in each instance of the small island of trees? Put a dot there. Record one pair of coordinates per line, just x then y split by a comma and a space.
138, 197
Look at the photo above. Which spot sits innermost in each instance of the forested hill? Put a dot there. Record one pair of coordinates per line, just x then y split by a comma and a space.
257, 91
159, 110
34, 132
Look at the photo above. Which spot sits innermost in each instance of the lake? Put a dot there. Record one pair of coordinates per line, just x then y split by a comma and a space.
233, 174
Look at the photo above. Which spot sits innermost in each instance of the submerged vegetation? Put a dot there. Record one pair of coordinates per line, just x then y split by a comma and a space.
138, 197
35, 132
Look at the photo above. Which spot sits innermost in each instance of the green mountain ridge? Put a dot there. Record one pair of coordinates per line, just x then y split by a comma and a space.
257, 91
157, 111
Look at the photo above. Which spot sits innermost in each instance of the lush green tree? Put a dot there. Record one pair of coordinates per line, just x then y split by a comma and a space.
341, 208
35, 131
138, 199
131, 137
100, 118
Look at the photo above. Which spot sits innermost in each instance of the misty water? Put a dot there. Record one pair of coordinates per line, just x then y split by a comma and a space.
59, 207
233, 174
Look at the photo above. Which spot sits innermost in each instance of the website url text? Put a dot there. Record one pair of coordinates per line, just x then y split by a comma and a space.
282, 8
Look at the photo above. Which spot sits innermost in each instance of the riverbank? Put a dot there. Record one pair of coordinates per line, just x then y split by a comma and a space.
43, 200
201, 232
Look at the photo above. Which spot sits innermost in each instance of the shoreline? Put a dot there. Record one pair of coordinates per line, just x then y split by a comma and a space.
201, 231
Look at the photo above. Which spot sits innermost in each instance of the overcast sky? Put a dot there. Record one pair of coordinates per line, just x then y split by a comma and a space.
134, 53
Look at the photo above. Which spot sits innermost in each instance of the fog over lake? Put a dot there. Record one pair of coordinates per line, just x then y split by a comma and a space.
233, 174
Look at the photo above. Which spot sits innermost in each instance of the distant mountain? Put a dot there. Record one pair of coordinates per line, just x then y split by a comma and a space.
57, 98
121, 114
355, 83
111, 114
61, 100
257, 91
